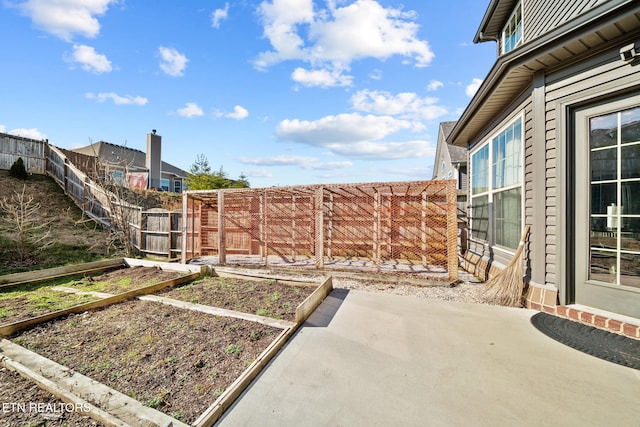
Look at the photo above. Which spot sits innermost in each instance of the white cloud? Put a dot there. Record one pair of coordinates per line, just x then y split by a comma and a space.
32, 133
89, 59
117, 99
473, 87
239, 113
3, 129
332, 38
342, 128
191, 109
354, 135
406, 105
434, 85
379, 150
282, 160
259, 173
65, 18
321, 78
172, 62
309, 163
219, 15
281, 19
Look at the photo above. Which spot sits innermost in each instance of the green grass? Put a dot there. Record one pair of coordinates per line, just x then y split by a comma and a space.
56, 255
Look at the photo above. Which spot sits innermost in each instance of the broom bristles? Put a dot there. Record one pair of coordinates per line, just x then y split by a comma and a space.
506, 287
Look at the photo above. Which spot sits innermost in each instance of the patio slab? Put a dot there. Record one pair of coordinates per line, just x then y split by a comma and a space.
378, 360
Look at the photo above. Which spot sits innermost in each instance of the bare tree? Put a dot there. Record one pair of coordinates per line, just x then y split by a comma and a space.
121, 206
23, 222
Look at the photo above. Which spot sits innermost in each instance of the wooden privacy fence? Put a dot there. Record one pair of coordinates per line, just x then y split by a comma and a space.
31, 151
152, 232
404, 222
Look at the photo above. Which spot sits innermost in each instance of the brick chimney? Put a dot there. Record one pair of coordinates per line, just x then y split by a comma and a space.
154, 159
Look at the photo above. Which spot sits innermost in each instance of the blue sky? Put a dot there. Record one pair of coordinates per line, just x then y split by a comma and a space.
285, 91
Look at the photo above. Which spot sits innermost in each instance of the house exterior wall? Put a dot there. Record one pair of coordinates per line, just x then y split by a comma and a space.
598, 78
542, 16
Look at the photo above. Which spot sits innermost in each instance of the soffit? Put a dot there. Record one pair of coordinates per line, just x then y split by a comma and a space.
513, 72
494, 19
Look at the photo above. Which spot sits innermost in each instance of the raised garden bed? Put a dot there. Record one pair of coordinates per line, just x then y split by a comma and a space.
177, 361
269, 298
145, 356
29, 300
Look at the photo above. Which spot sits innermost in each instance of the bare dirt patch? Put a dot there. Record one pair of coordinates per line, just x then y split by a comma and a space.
268, 298
177, 361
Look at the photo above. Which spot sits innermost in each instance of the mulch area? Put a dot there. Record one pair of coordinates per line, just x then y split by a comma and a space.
177, 361
268, 298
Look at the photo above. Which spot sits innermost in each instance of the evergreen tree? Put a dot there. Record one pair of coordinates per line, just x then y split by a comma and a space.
200, 177
18, 170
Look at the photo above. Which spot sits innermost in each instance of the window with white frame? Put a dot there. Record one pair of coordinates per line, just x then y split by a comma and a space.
496, 188
177, 186
512, 33
164, 184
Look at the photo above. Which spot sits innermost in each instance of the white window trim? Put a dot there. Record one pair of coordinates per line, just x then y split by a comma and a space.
490, 190
502, 33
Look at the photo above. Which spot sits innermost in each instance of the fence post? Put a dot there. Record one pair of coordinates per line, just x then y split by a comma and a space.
222, 250
183, 252
452, 230
319, 228
377, 223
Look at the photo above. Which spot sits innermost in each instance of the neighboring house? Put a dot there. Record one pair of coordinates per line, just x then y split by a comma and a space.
134, 167
451, 163
554, 142
450, 160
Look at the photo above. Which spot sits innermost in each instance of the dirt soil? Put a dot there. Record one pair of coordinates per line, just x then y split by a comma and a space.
265, 297
24, 404
177, 361
24, 302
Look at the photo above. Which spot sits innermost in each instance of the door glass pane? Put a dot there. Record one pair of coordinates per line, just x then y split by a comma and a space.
602, 196
602, 237
630, 234
603, 266
630, 269
630, 155
630, 125
603, 131
630, 192
604, 164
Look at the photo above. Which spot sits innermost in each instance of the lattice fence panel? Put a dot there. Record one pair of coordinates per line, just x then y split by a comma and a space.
411, 223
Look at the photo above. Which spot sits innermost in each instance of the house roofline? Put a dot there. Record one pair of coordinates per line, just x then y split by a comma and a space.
529, 52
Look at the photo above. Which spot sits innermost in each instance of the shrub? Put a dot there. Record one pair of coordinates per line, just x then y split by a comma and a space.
18, 170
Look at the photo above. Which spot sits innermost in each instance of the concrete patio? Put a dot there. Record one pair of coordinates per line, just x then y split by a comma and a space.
380, 360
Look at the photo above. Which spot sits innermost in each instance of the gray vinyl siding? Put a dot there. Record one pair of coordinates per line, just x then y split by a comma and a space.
542, 16
603, 75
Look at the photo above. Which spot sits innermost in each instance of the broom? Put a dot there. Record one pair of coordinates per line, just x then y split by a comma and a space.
506, 287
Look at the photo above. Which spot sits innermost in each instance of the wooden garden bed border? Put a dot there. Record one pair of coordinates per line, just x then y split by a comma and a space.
11, 328
226, 399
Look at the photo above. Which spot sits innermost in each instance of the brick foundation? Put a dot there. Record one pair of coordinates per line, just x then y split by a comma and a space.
543, 299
